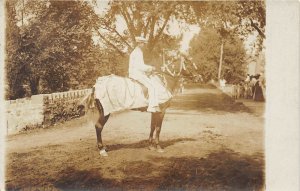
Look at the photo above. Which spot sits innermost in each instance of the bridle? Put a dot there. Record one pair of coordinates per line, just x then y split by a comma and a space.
166, 67
162, 75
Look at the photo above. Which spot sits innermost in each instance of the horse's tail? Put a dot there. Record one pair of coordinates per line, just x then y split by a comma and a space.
87, 101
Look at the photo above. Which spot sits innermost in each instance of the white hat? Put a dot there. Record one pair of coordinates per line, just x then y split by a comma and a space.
140, 39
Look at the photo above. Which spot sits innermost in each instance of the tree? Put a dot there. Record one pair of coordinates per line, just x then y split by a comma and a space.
239, 17
205, 49
14, 76
146, 19
142, 18
244, 17
235, 17
217, 16
55, 47
234, 60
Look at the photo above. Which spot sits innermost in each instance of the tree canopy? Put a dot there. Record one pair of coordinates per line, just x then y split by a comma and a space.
240, 17
228, 18
205, 51
55, 50
142, 18
51, 44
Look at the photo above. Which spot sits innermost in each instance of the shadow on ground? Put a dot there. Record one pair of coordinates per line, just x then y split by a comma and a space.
221, 170
208, 102
199, 85
145, 144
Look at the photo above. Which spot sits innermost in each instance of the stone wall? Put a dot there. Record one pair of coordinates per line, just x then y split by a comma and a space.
42, 110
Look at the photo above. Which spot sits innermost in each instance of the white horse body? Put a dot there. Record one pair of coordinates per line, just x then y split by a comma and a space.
117, 93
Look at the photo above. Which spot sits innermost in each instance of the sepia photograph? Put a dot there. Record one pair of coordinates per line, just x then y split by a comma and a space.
135, 95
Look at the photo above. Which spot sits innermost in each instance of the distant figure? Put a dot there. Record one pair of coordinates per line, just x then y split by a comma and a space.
258, 91
238, 91
222, 83
248, 79
234, 91
247, 91
252, 83
181, 81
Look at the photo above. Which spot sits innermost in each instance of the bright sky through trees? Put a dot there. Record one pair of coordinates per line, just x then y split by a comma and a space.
176, 28
188, 31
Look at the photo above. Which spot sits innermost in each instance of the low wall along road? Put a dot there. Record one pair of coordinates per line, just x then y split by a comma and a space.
42, 110
47, 109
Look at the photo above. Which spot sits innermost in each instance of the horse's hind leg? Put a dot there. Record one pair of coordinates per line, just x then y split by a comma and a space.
99, 127
156, 123
158, 129
153, 125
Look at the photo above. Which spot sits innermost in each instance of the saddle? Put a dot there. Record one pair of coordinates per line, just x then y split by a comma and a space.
117, 93
144, 88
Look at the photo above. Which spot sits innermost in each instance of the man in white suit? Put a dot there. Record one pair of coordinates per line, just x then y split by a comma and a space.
138, 71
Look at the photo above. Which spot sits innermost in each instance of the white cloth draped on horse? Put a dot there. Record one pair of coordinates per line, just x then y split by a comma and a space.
118, 93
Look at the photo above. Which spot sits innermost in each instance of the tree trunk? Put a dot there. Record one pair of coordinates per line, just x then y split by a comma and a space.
221, 60
34, 83
257, 29
23, 9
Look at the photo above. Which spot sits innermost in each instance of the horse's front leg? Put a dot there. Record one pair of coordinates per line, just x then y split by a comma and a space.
99, 125
99, 128
160, 117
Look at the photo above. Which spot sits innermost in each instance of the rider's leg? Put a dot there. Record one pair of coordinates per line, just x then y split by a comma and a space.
153, 101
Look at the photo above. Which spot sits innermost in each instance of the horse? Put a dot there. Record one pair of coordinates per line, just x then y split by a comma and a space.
170, 83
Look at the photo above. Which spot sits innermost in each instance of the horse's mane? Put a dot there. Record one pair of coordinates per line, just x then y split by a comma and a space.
172, 81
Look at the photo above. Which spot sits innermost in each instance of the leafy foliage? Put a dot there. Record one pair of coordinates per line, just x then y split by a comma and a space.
13, 66
61, 110
56, 51
240, 17
141, 18
230, 18
205, 51
53, 49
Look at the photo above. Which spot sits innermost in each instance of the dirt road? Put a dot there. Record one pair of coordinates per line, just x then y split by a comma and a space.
210, 143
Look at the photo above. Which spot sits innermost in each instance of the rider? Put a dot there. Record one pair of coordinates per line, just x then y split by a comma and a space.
138, 71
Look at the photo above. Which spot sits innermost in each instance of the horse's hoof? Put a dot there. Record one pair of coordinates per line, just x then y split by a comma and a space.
160, 150
103, 153
151, 148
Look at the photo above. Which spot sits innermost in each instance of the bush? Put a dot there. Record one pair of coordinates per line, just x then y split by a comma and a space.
60, 110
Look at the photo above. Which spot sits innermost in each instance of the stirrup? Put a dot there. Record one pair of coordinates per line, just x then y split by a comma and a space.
151, 109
